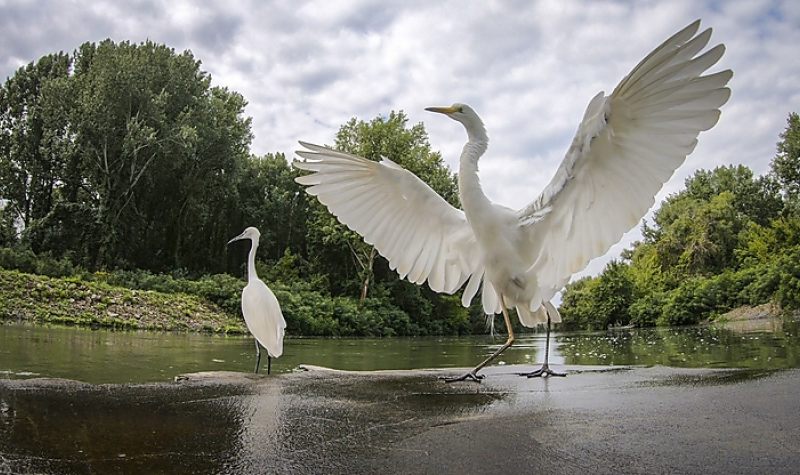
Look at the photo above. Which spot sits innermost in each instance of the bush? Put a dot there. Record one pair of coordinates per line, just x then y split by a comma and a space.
759, 283
788, 292
646, 311
24, 260
685, 305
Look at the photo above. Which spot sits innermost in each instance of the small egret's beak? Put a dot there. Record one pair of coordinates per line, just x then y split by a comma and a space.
442, 110
237, 238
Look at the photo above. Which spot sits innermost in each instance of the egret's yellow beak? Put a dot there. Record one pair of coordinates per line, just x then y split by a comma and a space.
442, 110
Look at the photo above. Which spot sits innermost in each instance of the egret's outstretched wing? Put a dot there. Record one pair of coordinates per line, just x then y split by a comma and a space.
421, 235
627, 146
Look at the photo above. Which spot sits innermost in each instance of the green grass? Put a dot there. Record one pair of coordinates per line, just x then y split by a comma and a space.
71, 301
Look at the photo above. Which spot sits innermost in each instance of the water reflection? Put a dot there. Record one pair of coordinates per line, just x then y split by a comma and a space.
296, 424
123, 429
133, 357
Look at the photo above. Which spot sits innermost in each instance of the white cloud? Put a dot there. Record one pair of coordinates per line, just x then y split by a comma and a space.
529, 68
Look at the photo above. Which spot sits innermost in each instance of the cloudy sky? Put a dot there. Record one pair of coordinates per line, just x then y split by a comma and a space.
529, 68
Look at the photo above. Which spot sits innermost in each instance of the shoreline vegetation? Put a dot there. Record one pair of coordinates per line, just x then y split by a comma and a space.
75, 301
72, 301
143, 300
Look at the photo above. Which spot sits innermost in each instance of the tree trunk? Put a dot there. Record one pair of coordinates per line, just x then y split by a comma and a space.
367, 277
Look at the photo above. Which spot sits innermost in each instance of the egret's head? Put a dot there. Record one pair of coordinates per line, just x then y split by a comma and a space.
464, 114
249, 233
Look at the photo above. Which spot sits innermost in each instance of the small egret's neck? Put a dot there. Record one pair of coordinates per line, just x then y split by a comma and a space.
469, 185
251, 261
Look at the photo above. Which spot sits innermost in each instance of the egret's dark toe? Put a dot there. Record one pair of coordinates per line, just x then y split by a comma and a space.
542, 372
472, 376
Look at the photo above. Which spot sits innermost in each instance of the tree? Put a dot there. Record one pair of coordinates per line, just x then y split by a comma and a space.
122, 155
150, 130
35, 140
696, 231
8, 234
613, 295
577, 304
786, 164
756, 198
269, 198
600, 301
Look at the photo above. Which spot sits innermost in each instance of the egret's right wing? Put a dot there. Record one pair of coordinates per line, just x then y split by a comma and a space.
627, 146
421, 235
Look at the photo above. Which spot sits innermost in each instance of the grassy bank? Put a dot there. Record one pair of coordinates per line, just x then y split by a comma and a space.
142, 299
71, 301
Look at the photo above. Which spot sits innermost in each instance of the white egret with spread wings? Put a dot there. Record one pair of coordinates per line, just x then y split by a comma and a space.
626, 147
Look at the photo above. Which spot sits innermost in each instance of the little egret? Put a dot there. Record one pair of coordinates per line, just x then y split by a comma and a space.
260, 308
626, 147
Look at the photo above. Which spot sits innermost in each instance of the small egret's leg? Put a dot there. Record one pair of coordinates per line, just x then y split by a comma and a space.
545, 370
269, 363
473, 375
258, 357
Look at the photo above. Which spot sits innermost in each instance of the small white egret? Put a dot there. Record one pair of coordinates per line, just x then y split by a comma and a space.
260, 308
626, 147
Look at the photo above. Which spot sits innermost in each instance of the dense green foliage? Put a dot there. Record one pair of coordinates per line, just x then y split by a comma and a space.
122, 156
728, 239
122, 163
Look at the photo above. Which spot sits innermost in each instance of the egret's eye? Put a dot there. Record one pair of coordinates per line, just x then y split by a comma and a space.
461, 110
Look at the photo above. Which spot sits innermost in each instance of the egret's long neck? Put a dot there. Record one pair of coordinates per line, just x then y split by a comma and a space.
251, 262
469, 185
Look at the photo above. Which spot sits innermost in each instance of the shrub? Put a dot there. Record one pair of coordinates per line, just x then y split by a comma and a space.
646, 311
24, 260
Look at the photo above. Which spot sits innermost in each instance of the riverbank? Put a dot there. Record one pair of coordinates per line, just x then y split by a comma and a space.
72, 301
212, 303
625, 420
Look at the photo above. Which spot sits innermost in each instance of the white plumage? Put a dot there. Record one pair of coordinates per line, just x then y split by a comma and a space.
261, 310
626, 147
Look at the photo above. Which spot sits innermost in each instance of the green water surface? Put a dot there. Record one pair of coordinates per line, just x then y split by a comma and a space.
103, 356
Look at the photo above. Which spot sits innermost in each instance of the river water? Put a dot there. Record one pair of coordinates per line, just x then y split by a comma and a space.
641, 419
103, 356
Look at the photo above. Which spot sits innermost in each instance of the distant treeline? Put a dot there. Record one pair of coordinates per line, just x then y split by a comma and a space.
123, 158
728, 239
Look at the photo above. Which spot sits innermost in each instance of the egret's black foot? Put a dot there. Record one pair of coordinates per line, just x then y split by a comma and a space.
542, 372
472, 376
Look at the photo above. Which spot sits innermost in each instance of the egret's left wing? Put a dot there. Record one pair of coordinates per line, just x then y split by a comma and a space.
627, 146
422, 236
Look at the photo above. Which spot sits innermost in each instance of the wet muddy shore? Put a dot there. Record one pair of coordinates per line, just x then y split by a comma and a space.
598, 419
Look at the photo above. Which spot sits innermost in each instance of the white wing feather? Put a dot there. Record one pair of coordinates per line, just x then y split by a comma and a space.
422, 236
627, 146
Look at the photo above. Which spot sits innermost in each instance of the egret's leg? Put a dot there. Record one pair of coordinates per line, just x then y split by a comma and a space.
269, 363
258, 357
545, 370
473, 375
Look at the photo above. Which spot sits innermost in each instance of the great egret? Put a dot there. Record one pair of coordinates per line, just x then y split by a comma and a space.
260, 308
626, 147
